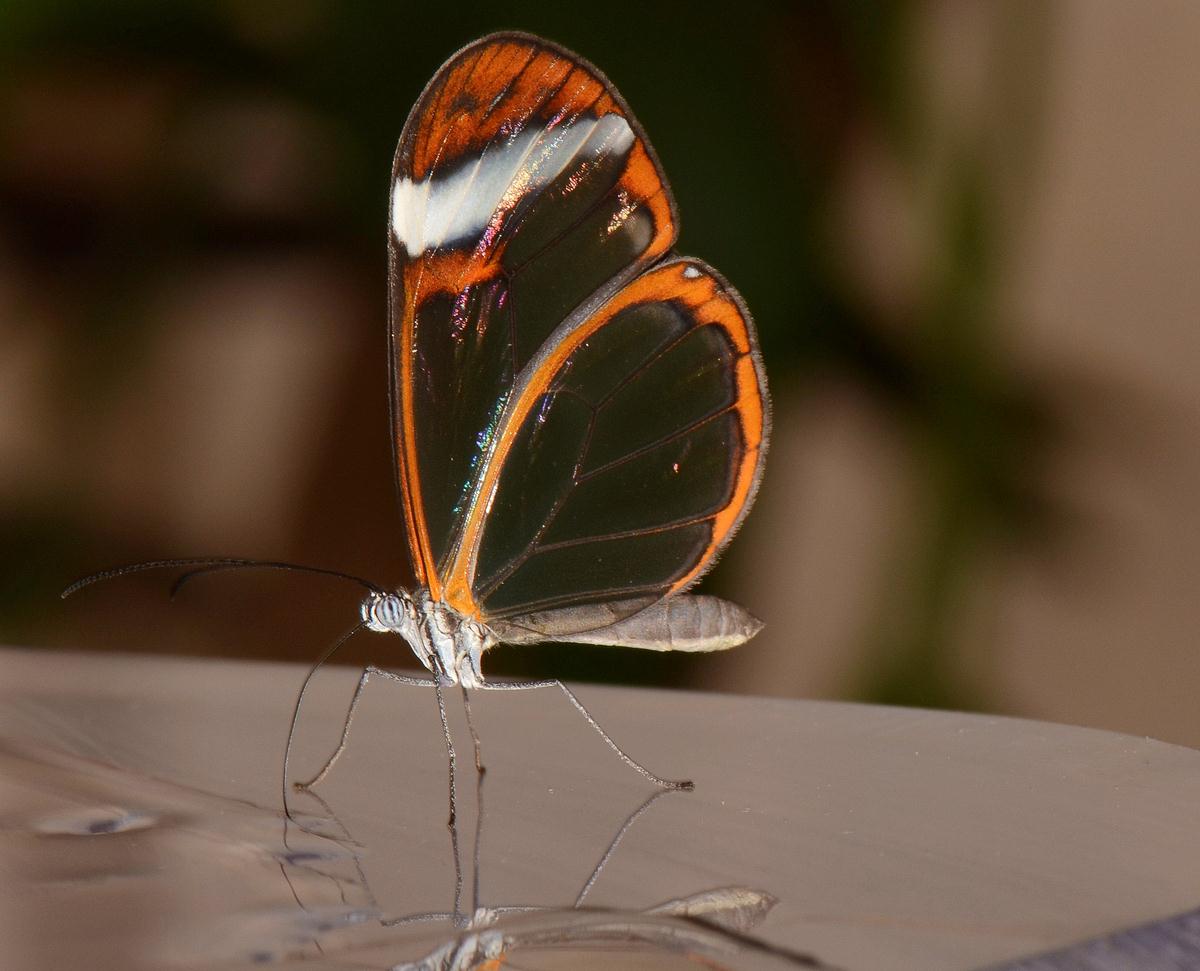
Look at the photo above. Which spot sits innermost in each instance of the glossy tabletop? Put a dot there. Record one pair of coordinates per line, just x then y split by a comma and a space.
141, 826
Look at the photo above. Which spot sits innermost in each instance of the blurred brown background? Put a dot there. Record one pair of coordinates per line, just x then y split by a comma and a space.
968, 232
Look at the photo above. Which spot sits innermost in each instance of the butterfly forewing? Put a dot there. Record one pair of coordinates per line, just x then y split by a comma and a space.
523, 195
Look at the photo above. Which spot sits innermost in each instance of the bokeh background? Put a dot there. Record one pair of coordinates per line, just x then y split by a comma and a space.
968, 232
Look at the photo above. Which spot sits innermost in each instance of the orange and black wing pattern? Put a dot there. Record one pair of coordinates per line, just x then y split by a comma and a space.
576, 418
522, 189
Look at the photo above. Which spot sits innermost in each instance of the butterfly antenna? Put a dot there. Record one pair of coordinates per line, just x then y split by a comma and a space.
198, 566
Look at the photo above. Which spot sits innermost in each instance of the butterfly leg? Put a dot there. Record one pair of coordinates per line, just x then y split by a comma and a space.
367, 673
475, 868
685, 784
479, 766
441, 703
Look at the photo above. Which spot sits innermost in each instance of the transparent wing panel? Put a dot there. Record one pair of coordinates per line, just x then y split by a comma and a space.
636, 455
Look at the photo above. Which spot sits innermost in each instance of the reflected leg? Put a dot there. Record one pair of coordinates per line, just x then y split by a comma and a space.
614, 843
367, 674
685, 784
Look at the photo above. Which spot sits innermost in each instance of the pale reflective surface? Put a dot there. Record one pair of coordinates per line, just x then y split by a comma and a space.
141, 827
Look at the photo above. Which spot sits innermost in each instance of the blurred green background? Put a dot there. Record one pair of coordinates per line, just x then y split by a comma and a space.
962, 228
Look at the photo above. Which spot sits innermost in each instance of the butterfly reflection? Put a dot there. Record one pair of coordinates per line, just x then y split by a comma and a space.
709, 928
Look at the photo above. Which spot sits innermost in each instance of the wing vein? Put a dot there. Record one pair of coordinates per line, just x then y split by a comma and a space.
665, 440
495, 242
631, 533
507, 89
570, 227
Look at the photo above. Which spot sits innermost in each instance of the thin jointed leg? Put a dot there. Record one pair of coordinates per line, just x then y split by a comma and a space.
685, 784
441, 702
480, 769
312, 672
458, 872
479, 766
479, 776
366, 675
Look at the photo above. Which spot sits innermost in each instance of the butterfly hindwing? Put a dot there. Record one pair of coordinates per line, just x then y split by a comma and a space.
628, 456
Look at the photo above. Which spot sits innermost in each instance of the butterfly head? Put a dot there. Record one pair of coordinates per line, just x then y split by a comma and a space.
447, 643
395, 612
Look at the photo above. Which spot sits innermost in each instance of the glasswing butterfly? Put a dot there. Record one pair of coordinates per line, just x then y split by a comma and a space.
579, 416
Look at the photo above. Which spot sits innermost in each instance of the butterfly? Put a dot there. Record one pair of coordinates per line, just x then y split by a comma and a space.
579, 416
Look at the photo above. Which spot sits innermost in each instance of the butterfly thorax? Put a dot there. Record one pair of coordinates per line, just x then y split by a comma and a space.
448, 643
